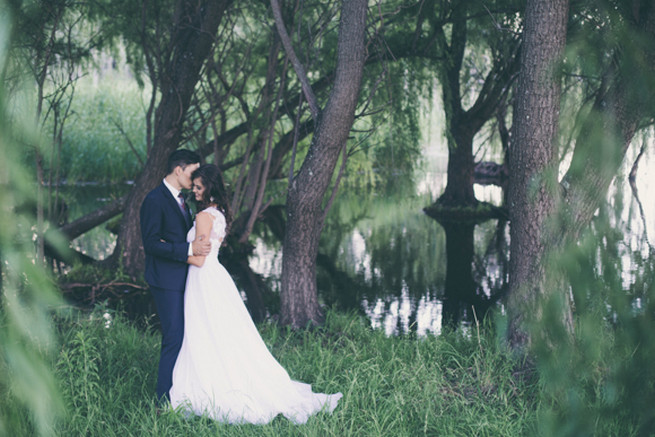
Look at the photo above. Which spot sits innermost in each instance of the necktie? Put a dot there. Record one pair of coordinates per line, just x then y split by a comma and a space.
183, 206
180, 201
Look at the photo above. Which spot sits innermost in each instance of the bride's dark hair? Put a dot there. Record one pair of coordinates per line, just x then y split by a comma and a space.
215, 192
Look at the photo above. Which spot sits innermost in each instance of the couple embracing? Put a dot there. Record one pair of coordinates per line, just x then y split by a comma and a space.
213, 361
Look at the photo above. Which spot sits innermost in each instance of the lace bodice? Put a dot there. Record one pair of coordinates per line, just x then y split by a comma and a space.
217, 232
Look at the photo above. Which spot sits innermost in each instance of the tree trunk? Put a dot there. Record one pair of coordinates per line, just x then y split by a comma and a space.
533, 196
191, 42
462, 125
305, 215
617, 114
459, 185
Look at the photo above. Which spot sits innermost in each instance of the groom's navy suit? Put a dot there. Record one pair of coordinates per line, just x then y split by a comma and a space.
164, 228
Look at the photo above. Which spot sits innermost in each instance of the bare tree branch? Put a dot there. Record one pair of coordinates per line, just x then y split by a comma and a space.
300, 70
129, 142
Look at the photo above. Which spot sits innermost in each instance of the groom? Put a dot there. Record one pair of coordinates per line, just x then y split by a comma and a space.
165, 221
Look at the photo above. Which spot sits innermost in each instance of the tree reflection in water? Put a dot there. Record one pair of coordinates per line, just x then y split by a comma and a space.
382, 256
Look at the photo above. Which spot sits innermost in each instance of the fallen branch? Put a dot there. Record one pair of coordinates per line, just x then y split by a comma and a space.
84, 224
70, 286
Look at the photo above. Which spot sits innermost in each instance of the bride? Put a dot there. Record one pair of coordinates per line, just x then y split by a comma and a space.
224, 369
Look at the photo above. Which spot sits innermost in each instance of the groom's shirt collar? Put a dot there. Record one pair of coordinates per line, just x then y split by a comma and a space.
174, 191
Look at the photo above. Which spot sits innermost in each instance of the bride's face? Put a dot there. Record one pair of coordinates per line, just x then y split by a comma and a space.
198, 189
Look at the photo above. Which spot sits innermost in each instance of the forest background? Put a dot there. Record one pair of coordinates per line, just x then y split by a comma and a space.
293, 102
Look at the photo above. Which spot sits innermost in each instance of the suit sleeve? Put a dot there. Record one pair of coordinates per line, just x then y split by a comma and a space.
154, 243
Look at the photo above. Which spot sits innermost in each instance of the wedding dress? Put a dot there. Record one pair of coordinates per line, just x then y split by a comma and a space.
224, 369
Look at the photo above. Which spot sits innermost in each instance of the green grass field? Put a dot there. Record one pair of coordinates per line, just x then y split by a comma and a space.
462, 383
400, 386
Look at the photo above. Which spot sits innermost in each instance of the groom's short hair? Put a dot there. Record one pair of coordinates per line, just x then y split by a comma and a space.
182, 158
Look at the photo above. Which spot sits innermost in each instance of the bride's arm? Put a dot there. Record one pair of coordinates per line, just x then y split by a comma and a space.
203, 227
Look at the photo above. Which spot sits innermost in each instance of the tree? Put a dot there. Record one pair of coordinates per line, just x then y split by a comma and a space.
463, 124
191, 40
622, 96
305, 198
533, 193
617, 78
51, 54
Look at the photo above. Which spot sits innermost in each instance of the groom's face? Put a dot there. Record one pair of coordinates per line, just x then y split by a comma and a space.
184, 175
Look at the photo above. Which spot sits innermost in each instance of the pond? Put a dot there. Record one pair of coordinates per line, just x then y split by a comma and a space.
382, 256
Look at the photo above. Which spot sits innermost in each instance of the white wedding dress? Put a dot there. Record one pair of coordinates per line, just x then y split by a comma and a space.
224, 369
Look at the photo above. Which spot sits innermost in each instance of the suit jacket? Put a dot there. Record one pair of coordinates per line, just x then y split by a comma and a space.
163, 229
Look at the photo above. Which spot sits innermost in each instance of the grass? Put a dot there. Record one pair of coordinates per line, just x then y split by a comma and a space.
393, 386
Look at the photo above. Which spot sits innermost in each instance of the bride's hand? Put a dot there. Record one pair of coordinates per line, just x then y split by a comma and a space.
200, 246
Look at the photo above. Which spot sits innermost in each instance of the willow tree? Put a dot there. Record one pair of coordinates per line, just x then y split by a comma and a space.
619, 72
533, 193
616, 73
30, 402
464, 120
190, 42
306, 205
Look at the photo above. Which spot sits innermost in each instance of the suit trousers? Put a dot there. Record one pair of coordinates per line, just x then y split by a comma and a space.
170, 307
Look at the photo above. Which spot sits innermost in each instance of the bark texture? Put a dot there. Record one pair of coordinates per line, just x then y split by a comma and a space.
191, 42
533, 195
305, 213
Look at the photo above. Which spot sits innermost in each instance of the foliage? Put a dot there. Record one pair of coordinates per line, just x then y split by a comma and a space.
607, 43
108, 120
451, 385
27, 386
602, 382
87, 284
387, 140
124, 25
599, 381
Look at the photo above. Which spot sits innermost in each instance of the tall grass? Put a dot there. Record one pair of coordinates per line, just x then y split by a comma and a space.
399, 386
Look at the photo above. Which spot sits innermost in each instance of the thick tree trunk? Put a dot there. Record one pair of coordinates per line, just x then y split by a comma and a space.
616, 116
305, 214
191, 42
462, 125
459, 186
533, 196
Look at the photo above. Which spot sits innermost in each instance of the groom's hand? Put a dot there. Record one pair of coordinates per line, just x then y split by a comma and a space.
200, 247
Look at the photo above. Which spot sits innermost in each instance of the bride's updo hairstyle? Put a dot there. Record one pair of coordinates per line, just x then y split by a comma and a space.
215, 192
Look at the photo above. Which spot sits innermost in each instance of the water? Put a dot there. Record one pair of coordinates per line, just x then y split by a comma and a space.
382, 256
385, 258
